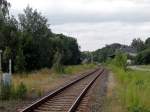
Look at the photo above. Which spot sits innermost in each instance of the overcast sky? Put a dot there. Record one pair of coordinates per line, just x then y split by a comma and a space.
94, 23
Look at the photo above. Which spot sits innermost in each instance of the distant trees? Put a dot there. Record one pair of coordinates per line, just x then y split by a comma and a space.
87, 57
143, 57
137, 47
138, 44
101, 55
31, 44
147, 43
4, 11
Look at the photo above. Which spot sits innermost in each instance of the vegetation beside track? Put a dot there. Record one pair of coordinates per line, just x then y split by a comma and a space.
40, 82
132, 89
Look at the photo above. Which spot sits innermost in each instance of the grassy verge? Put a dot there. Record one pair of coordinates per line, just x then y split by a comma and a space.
39, 82
133, 89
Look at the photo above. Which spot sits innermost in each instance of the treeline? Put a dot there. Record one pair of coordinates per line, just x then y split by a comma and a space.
143, 51
31, 44
138, 52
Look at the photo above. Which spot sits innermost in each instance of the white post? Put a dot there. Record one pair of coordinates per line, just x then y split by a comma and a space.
91, 58
10, 71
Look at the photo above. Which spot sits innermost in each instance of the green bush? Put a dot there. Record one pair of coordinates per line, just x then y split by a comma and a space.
10, 92
5, 92
21, 91
143, 57
120, 60
57, 63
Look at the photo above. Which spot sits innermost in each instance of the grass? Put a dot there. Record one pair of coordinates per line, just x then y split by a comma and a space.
39, 82
133, 89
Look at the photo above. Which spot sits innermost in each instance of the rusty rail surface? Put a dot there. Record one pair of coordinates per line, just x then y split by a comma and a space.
79, 86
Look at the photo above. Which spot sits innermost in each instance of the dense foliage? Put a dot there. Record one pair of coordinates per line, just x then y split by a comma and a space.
143, 57
30, 43
103, 54
138, 44
120, 60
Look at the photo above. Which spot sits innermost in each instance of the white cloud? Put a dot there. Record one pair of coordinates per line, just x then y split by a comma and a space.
92, 36
94, 23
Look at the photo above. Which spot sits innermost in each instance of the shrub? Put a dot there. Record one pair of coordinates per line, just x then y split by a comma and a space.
5, 92
143, 57
120, 60
21, 91
57, 66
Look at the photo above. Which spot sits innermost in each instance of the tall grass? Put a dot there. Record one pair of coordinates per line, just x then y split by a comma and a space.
133, 89
39, 82
78, 68
9, 92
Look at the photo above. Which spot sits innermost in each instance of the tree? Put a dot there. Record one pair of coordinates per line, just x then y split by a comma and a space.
101, 55
20, 61
57, 62
4, 5
69, 47
143, 57
6, 56
4, 10
147, 42
30, 43
120, 60
36, 39
9, 37
138, 44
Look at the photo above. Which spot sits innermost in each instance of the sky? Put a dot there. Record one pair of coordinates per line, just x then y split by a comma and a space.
94, 23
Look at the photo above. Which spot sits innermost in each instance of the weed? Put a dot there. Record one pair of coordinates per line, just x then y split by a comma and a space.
133, 89
5, 91
21, 91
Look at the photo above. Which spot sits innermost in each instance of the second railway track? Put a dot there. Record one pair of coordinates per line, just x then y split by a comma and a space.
66, 98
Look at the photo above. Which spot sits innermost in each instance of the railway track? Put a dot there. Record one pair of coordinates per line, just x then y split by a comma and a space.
66, 98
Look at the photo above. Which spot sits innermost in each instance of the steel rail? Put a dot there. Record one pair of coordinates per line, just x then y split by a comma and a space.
38, 103
80, 97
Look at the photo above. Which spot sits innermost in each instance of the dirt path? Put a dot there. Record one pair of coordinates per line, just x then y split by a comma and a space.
138, 68
98, 94
104, 96
111, 99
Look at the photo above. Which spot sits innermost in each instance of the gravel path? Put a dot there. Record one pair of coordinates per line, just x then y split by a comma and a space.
98, 94
136, 67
